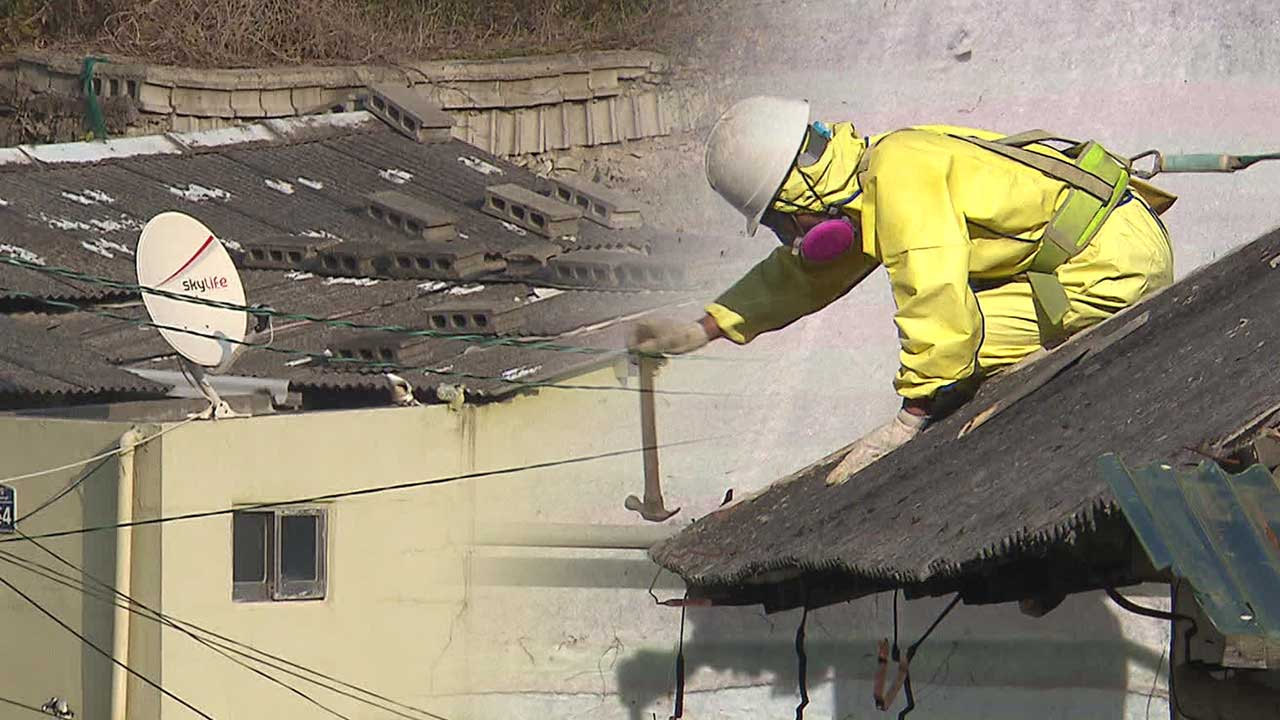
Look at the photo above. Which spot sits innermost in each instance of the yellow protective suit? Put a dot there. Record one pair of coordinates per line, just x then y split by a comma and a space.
954, 225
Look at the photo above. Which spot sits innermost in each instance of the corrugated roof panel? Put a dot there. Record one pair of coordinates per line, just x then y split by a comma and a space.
273, 199
1214, 529
35, 362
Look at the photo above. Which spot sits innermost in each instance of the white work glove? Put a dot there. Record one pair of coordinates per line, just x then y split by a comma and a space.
876, 444
667, 337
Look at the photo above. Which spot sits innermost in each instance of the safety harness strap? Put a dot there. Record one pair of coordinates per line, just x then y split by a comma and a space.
1098, 183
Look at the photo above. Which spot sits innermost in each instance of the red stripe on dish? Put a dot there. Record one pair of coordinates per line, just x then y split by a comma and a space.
189, 262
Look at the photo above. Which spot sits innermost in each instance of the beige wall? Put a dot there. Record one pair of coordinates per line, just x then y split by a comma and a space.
395, 619
415, 613
39, 659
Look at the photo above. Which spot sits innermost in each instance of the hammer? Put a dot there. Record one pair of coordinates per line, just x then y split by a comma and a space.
652, 508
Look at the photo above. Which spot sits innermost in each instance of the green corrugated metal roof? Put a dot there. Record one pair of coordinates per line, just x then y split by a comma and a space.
1220, 532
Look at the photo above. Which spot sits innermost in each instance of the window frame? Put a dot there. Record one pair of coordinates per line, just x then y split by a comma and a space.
273, 588
285, 590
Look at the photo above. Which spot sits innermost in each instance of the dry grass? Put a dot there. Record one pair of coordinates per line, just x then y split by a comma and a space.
238, 33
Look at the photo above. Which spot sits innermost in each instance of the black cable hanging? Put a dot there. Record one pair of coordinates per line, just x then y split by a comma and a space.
902, 681
802, 665
1132, 607
49, 614
374, 490
680, 672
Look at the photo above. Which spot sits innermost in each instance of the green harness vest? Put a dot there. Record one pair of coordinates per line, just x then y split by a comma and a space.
1098, 182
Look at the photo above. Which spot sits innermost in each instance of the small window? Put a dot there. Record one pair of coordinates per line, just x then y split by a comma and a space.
279, 554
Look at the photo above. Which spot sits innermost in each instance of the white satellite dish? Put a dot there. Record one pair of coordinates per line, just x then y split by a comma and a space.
179, 255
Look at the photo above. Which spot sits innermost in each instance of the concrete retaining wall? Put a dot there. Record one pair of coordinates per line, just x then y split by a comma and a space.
512, 107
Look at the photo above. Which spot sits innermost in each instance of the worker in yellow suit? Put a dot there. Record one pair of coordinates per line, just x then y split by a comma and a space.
963, 225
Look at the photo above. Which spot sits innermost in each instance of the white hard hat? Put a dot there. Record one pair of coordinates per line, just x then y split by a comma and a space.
751, 150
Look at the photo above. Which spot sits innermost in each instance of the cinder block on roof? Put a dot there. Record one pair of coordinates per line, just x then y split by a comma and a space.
410, 113
412, 216
521, 206
598, 203
614, 270
285, 252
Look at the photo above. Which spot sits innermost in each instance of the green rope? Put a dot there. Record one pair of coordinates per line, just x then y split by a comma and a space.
371, 365
481, 340
97, 122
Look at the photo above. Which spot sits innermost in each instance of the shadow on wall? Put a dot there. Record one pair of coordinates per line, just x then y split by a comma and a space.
982, 663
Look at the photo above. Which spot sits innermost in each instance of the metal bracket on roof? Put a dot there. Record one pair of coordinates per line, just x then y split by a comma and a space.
218, 408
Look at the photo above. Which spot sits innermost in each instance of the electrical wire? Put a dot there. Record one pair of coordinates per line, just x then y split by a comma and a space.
1128, 605
100, 456
221, 644
24, 706
49, 614
84, 476
260, 311
367, 491
322, 358
233, 644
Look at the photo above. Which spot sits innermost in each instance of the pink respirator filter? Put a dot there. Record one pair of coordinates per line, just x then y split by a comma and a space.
827, 240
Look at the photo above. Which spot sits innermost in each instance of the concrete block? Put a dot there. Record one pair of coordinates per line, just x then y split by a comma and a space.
601, 127
527, 209
576, 85
205, 103
155, 98
184, 124
528, 131
644, 110
247, 103
502, 132
33, 75
577, 124
417, 218
410, 113
69, 85
604, 81
597, 203
553, 131
306, 97
433, 261
285, 252
277, 103
626, 118
481, 95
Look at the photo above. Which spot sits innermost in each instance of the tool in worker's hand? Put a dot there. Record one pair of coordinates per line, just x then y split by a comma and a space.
652, 507
1197, 162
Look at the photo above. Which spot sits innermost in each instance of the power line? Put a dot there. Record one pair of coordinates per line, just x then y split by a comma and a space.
227, 644
24, 706
482, 340
356, 362
49, 614
100, 456
365, 491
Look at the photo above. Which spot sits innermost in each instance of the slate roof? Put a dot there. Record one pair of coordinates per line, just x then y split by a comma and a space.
302, 187
948, 513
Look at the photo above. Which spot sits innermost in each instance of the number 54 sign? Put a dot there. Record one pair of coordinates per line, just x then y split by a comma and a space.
8, 508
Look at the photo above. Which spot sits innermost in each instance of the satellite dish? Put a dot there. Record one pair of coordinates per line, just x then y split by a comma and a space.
178, 254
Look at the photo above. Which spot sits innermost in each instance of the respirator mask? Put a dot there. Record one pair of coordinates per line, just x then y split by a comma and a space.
827, 240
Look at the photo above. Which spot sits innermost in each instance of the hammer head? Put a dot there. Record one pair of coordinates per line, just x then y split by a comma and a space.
653, 512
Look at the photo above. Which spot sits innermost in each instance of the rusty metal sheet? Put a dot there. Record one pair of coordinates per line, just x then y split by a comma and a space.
1217, 530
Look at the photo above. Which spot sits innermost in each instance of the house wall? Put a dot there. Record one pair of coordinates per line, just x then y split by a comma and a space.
41, 660
417, 613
